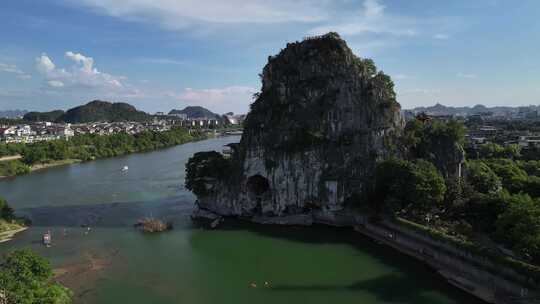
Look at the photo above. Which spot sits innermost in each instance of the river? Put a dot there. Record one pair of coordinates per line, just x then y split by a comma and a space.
114, 263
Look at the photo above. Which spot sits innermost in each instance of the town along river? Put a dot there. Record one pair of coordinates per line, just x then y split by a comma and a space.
114, 263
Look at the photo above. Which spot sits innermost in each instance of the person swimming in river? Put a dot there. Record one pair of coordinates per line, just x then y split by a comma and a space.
254, 285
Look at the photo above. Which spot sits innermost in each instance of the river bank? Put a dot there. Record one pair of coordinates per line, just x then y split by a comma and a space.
116, 263
110, 146
9, 230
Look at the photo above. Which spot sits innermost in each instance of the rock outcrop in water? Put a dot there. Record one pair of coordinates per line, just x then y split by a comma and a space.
311, 140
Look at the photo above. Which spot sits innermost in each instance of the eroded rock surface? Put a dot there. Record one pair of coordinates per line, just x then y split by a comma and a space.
311, 140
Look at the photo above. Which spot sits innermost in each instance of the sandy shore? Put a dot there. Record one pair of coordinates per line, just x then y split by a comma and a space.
8, 158
8, 235
54, 164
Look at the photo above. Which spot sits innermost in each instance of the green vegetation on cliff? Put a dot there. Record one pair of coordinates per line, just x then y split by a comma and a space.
205, 167
26, 278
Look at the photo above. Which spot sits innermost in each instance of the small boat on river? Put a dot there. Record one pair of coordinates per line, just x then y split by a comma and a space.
47, 239
125, 168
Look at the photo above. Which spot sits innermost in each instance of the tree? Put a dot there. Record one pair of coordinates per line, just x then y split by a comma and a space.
400, 184
519, 226
26, 279
513, 177
483, 210
493, 150
6, 212
205, 167
482, 178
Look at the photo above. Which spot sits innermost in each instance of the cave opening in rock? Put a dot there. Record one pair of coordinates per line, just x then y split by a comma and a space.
258, 185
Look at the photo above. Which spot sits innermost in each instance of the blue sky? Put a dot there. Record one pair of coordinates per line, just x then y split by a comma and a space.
164, 54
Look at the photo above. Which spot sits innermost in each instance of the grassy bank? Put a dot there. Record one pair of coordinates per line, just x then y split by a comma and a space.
8, 229
42, 155
528, 270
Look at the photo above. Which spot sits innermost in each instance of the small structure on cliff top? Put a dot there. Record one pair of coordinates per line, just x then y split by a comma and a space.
311, 141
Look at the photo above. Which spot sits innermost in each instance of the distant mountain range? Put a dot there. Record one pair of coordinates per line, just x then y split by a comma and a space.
93, 111
97, 110
12, 113
439, 109
195, 112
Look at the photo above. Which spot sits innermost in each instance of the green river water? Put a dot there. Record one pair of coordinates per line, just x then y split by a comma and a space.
114, 263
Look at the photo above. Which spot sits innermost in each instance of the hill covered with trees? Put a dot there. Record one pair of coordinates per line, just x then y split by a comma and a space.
98, 110
93, 111
196, 112
43, 116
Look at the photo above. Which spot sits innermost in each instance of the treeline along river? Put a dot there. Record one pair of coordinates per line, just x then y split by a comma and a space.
239, 263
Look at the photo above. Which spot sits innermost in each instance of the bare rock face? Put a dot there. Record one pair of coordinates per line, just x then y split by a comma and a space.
311, 140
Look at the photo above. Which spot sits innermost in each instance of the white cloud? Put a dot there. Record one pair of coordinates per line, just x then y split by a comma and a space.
372, 19
372, 8
13, 69
402, 76
467, 75
55, 83
441, 36
223, 100
44, 64
81, 74
181, 14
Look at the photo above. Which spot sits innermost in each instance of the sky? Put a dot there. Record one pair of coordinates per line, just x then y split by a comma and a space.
165, 54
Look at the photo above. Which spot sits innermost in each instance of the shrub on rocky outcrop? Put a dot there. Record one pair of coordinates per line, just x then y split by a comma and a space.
205, 167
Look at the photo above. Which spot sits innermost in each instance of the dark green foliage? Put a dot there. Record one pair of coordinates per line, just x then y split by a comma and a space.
6, 212
483, 210
519, 226
89, 147
423, 138
91, 112
26, 278
11, 149
513, 177
532, 167
205, 167
415, 186
13, 167
482, 178
493, 150
44, 116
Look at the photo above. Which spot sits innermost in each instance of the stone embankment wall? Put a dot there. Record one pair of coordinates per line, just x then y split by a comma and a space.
472, 273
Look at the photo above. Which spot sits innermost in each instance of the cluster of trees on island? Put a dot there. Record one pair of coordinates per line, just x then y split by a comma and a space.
496, 199
90, 146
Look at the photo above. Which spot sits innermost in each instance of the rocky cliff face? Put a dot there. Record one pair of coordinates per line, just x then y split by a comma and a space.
311, 140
